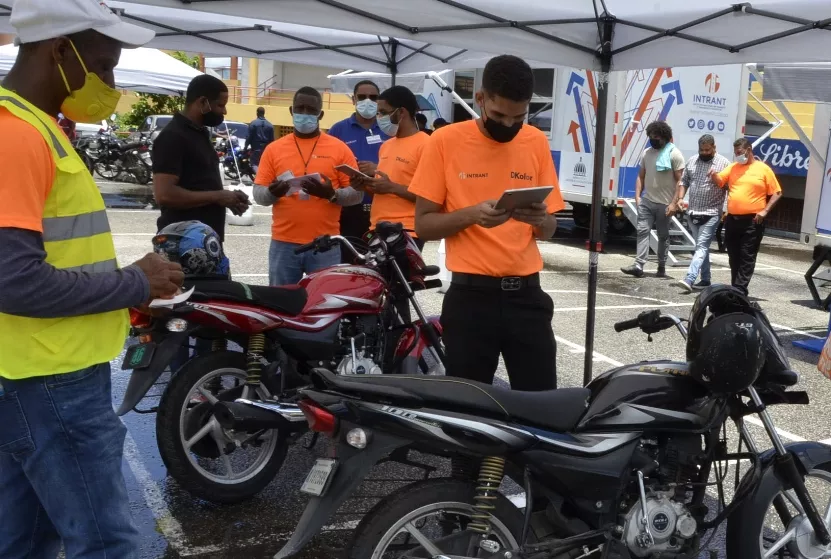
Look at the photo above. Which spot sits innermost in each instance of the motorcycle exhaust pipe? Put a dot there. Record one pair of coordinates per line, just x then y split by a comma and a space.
246, 415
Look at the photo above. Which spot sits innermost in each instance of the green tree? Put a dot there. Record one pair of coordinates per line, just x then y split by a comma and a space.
157, 104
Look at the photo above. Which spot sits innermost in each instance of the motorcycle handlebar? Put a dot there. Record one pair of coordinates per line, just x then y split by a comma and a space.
306, 248
627, 324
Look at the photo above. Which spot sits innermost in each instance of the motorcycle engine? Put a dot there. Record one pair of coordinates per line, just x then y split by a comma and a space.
670, 525
359, 336
667, 523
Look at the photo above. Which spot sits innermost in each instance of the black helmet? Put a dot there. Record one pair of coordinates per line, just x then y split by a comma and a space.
719, 300
731, 354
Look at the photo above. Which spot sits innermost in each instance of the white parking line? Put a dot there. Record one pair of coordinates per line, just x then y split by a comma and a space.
167, 523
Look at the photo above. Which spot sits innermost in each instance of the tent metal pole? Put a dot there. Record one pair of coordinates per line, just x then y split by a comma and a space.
595, 244
393, 60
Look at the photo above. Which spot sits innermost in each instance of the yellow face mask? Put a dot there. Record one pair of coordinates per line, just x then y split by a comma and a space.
94, 102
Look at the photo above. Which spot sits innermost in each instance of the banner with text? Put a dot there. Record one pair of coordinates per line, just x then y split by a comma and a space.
694, 101
785, 157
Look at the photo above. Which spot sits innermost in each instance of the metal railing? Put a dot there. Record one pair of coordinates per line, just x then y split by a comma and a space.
282, 97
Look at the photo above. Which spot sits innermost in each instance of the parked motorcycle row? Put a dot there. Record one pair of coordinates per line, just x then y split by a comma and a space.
111, 157
243, 167
616, 470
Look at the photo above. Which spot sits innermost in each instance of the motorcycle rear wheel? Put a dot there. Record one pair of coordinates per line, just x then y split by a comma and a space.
411, 507
178, 420
142, 173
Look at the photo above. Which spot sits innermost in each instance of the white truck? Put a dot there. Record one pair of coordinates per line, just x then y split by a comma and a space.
693, 100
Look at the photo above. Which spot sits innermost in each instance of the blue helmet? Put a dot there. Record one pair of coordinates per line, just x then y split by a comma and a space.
194, 246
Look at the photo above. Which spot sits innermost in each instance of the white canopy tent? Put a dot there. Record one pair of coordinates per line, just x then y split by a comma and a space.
255, 36
143, 70
602, 35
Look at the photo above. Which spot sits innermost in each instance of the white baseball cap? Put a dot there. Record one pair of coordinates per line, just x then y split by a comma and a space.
39, 20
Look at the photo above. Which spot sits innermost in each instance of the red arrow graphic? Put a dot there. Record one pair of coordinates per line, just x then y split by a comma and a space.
572, 129
645, 100
592, 88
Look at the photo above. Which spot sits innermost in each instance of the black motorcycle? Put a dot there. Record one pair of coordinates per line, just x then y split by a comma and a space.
618, 469
112, 157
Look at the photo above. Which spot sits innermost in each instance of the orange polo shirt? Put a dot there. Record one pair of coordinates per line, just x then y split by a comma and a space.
460, 168
27, 179
399, 159
749, 186
296, 220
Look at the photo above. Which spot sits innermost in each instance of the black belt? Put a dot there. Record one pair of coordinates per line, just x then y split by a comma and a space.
510, 283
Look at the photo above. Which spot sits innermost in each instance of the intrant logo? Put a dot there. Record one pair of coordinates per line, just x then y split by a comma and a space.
464, 176
521, 176
712, 82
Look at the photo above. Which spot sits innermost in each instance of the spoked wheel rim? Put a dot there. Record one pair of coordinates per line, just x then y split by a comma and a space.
106, 170
794, 537
204, 430
415, 528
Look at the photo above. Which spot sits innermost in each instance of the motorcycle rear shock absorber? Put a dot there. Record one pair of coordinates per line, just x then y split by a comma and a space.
256, 346
490, 478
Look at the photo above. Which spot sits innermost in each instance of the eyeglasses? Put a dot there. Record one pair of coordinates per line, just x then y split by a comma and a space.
364, 97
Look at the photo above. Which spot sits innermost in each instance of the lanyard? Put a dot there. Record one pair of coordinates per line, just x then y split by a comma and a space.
306, 161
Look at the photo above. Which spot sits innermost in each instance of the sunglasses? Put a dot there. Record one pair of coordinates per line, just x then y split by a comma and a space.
364, 97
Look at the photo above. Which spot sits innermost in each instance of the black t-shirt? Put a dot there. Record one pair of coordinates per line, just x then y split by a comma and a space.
184, 149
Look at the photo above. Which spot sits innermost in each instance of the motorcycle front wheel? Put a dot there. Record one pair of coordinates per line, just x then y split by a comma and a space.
106, 170
776, 525
142, 173
430, 518
210, 462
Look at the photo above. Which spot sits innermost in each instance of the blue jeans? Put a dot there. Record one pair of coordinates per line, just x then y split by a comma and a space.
703, 234
61, 446
287, 268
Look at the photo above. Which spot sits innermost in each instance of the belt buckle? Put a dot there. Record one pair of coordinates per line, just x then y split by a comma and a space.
511, 284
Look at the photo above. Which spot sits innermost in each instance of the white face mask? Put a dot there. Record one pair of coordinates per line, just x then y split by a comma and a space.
741, 159
367, 108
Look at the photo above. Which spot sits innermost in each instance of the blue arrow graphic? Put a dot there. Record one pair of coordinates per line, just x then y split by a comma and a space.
574, 82
674, 90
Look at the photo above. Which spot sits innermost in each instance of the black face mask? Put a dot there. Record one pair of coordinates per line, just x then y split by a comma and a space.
656, 144
212, 119
705, 158
499, 132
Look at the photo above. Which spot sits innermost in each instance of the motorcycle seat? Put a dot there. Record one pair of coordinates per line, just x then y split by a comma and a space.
288, 300
554, 410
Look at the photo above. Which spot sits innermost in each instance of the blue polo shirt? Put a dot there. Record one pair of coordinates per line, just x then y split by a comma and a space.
359, 139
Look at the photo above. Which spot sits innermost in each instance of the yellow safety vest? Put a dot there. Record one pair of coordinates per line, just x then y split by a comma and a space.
76, 236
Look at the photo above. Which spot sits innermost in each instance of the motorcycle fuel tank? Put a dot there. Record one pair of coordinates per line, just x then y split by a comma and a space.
650, 396
344, 288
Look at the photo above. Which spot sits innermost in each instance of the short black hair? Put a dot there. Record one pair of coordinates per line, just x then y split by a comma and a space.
660, 129
707, 140
421, 118
439, 122
509, 77
260, 111
365, 82
205, 86
306, 90
743, 143
399, 97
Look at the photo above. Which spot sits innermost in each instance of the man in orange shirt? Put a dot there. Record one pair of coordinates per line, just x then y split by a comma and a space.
301, 216
753, 191
495, 304
398, 160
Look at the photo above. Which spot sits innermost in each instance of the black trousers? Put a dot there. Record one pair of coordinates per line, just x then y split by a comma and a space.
743, 238
479, 324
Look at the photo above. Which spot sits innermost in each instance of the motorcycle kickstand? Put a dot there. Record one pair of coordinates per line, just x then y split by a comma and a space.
312, 441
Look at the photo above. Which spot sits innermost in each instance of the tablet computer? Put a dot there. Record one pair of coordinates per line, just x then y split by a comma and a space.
522, 198
351, 172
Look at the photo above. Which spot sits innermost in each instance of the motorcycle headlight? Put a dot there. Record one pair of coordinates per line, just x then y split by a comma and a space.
177, 325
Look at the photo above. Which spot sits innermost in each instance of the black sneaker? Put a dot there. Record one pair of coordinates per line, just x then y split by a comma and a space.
702, 285
633, 270
661, 273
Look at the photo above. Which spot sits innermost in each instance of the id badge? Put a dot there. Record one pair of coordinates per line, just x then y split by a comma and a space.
374, 139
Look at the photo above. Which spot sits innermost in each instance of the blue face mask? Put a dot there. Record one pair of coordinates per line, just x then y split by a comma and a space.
305, 124
386, 124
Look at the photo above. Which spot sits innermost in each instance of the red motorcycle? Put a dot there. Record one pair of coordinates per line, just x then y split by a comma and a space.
352, 319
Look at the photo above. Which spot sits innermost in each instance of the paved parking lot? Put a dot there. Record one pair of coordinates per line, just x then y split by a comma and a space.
176, 525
